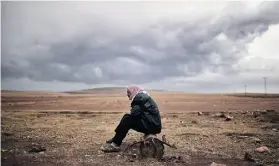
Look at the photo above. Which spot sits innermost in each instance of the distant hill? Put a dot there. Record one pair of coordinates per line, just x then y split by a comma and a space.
113, 90
99, 90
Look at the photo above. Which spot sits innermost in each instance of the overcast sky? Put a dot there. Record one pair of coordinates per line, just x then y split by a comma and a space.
195, 47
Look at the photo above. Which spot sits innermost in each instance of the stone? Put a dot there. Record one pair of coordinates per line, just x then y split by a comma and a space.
221, 115
262, 149
215, 164
228, 118
270, 110
257, 140
249, 157
199, 113
37, 148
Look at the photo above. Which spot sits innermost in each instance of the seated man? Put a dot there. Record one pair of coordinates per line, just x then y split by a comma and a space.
144, 117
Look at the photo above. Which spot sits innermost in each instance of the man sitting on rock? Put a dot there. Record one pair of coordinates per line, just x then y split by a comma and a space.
144, 117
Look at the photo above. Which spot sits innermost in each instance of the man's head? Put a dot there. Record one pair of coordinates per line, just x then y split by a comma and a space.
133, 90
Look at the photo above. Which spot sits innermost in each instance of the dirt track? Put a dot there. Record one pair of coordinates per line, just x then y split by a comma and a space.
72, 127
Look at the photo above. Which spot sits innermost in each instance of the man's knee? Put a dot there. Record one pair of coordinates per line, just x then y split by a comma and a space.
127, 116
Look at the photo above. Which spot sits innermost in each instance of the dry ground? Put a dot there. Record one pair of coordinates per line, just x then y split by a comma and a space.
73, 126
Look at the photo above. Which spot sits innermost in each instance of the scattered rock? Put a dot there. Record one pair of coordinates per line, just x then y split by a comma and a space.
249, 157
131, 160
221, 115
257, 140
37, 148
194, 122
134, 156
270, 110
262, 149
274, 129
7, 134
199, 113
175, 159
215, 164
4, 150
228, 118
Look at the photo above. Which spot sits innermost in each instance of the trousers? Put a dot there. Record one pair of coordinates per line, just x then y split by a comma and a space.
130, 122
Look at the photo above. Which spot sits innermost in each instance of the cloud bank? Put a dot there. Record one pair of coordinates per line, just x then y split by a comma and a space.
180, 46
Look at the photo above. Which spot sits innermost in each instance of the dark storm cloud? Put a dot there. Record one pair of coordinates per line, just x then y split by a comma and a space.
160, 50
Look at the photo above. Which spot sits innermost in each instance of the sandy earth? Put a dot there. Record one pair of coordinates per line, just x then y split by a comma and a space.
72, 127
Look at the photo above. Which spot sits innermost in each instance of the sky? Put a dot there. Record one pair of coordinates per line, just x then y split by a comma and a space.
201, 46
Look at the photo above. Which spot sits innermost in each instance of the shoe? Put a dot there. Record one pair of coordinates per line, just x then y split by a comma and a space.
109, 141
110, 148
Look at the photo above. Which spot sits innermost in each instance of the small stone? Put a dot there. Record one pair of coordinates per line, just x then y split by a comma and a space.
262, 149
131, 160
7, 133
257, 140
249, 157
274, 129
194, 122
199, 113
228, 118
4, 150
215, 164
37, 148
270, 110
87, 155
134, 156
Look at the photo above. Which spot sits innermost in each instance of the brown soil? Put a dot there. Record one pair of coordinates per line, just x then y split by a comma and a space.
73, 126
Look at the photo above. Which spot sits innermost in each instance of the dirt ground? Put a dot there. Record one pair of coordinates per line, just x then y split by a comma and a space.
71, 128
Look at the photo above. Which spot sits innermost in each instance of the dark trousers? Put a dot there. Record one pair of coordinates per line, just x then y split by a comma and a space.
129, 122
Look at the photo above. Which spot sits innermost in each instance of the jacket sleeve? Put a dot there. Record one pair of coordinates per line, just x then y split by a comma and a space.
135, 110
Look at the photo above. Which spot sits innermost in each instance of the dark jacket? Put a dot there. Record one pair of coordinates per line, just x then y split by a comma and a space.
145, 108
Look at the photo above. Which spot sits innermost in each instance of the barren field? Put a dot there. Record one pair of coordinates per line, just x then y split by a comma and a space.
45, 128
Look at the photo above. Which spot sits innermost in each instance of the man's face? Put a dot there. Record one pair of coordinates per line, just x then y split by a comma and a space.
128, 93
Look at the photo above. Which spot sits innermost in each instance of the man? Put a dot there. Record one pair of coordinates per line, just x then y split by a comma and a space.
144, 117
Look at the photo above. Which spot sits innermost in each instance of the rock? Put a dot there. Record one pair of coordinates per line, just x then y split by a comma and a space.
263, 112
221, 115
194, 122
270, 110
4, 150
131, 160
215, 164
37, 148
249, 157
262, 149
257, 140
134, 156
199, 113
228, 118
7, 134
274, 129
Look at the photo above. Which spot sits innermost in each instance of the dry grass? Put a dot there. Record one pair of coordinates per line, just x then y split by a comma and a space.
72, 127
